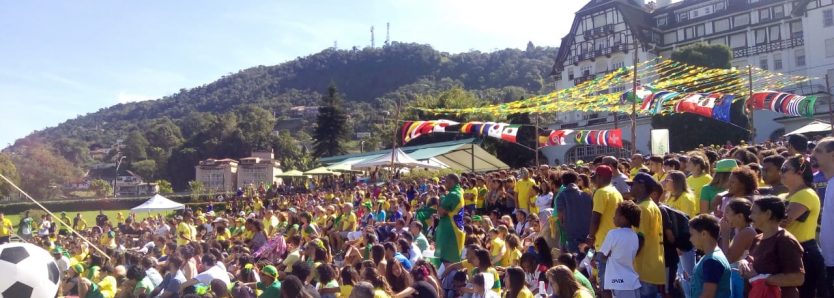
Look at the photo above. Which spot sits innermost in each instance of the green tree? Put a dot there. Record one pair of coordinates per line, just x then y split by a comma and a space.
289, 152
136, 146
164, 133
331, 132
8, 170
196, 188
144, 168
255, 126
73, 150
164, 186
45, 170
101, 188
688, 131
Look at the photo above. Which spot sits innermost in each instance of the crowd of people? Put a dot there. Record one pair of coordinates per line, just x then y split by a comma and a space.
746, 221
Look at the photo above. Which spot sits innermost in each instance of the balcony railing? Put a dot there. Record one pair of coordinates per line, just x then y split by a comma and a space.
584, 78
768, 47
599, 31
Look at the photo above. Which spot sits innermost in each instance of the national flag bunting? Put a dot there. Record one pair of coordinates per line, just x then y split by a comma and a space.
554, 138
414, 129
510, 132
781, 102
610, 137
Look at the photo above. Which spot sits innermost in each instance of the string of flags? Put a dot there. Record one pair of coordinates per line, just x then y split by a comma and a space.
781, 102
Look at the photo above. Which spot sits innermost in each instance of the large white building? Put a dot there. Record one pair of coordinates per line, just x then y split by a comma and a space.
792, 37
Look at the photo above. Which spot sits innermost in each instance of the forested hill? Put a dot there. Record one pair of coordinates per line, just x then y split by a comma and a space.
196, 122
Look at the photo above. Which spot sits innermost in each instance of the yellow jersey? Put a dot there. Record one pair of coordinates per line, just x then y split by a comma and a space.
685, 203
606, 200
649, 262
807, 229
697, 183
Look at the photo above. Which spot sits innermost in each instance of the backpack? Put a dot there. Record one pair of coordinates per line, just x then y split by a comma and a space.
678, 223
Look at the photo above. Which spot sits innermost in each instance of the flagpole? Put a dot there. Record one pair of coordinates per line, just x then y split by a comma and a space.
537, 140
830, 98
752, 122
634, 102
394, 136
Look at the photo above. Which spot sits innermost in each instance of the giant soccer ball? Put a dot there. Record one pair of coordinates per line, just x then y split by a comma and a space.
27, 271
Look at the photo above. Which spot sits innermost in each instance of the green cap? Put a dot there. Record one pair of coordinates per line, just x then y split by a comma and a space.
270, 270
725, 165
78, 268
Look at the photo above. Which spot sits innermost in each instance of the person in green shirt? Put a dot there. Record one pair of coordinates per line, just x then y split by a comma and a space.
717, 185
269, 284
449, 231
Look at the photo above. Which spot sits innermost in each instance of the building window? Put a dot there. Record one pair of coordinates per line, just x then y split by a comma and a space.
720, 40
689, 32
827, 18
661, 21
719, 6
800, 57
778, 12
586, 70
777, 61
775, 33
738, 40
684, 16
695, 13
796, 29
829, 47
670, 38
699, 30
761, 36
741, 20
763, 63
764, 15
569, 71
721, 25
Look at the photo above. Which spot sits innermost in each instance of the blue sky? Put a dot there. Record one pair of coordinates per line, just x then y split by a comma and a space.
62, 59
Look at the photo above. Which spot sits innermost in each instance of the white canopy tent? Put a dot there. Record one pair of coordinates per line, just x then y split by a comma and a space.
158, 203
814, 126
400, 159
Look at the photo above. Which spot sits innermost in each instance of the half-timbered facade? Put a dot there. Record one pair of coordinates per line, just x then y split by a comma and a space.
788, 36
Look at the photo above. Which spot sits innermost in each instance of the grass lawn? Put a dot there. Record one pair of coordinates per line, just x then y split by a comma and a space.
89, 216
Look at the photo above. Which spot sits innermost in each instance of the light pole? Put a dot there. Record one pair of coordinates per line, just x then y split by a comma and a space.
116, 177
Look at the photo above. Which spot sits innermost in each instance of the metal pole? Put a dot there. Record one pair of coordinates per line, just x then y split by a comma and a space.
116, 177
537, 140
830, 98
634, 102
472, 155
394, 136
752, 122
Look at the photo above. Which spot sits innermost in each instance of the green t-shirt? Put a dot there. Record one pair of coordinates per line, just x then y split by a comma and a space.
708, 193
584, 282
272, 291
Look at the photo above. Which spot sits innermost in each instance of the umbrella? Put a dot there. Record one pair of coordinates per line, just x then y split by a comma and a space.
342, 167
291, 173
815, 126
319, 171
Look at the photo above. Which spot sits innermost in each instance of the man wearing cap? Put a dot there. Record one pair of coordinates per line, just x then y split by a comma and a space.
269, 283
606, 199
649, 262
523, 192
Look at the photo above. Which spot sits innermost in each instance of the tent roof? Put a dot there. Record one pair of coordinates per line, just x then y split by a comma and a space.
291, 173
456, 154
158, 203
396, 157
814, 126
319, 171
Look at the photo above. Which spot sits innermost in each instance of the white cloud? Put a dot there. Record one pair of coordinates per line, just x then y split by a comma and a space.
124, 97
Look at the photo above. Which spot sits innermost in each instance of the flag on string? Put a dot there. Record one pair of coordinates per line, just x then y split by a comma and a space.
415, 129
698, 103
654, 102
781, 102
642, 92
509, 133
610, 137
554, 137
721, 111
495, 130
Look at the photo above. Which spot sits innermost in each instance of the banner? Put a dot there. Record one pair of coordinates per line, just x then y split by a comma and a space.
414, 129
781, 102
660, 141
554, 137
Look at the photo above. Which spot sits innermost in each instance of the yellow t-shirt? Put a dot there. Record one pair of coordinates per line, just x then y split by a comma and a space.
258, 205
606, 200
470, 196
185, 230
659, 177
6, 228
524, 189
224, 236
697, 183
480, 197
582, 293
649, 262
634, 172
379, 293
511, 258
82, 225
685, 203
108, 286
345, 290
805, 230
349, 222
524, 293
497, 247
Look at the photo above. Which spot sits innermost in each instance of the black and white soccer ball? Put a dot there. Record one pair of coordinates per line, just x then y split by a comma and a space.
27, 271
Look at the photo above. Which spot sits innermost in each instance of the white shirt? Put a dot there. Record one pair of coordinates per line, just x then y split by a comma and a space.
154, 276
45, 225
544, 201
827, 225
213, 273
63, 264
415, 253
620, 246
162, 230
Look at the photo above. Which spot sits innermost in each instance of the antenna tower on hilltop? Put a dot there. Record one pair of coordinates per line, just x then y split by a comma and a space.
372, 36
387, 33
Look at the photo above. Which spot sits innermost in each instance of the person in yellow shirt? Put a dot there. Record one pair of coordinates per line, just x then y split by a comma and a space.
497, 246
78, 223
513, 254
649, 262
656, 167
6, 228
637, 165
698, 174
515, 283
524, 191
606, 199
563, 280
184, 235
679, 195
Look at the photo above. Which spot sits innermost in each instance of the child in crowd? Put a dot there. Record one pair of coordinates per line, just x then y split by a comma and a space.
619, 248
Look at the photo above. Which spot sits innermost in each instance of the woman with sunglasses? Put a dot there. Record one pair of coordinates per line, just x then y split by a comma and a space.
803, 213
